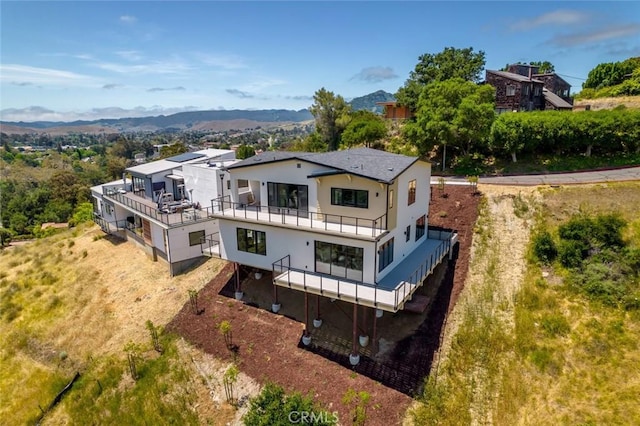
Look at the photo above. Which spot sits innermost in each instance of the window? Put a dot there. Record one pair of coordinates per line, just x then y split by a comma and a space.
339, 260
420, 226
511, 90
138, 184
525, 90
391, 198
407, 233
252, 241
385, 255
412, 192
228, 184
108, 208
350, 198
537, 91
195, 238
243, 183
286, 195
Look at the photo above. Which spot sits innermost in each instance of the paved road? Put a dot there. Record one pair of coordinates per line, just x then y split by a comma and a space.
631, 173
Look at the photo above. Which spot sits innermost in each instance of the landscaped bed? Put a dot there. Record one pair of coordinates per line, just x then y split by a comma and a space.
266, 344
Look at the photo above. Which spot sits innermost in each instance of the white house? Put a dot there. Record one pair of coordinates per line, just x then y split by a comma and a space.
165, 206
348, 225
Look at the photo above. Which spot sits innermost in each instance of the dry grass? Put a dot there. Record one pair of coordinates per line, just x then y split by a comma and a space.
610, 103
520, 348
76, 301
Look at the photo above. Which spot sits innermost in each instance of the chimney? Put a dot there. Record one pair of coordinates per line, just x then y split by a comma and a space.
530, 72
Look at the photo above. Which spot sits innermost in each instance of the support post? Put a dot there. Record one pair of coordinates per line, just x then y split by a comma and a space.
318, 307
237, 273
374, 344
354, 345
306, 314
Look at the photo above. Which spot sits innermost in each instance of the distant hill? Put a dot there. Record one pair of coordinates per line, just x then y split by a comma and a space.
196, 120
368, 102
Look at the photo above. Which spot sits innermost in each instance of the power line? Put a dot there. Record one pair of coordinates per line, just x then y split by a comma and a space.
570, 76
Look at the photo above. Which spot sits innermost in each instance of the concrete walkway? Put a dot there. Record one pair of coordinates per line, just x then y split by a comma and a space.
614, 175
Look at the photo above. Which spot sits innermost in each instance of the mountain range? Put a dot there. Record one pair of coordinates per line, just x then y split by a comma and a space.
213, 120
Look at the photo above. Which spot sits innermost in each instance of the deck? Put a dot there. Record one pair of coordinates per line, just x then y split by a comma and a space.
354, 226
390, 294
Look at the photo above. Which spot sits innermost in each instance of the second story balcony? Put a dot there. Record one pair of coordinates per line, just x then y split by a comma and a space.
224, 208
177, 214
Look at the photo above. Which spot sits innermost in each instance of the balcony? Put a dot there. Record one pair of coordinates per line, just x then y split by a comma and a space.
210, 245
390, 294
224, 208
179, 214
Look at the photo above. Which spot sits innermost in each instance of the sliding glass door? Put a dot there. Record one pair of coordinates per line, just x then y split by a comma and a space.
339, 260
288, 198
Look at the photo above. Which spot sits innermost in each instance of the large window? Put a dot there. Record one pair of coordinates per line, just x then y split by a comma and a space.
412, 192
420, 226
288, 196
385, 255
195, 238
339, 260
511, 90
252, 241
350, 197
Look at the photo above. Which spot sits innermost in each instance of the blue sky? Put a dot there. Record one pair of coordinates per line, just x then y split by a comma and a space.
63, 60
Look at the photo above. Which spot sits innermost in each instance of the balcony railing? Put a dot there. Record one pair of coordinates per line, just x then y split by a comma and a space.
389, 299
188, 215
210, 245
224, 207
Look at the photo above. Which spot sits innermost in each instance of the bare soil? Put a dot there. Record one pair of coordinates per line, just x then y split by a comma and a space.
267, 347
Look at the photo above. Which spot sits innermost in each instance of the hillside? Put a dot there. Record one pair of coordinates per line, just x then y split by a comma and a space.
368, 102
609, 103
217, 120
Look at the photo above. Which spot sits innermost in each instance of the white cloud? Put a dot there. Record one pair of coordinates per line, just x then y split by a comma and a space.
164, 89
375, 74
131, 55
557, 17
22, 74
128, 19
226, 62
595, 36
155, 67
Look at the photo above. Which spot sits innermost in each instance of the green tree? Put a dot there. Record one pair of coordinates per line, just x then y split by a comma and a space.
5, 236
450, 63
455, 113
331, 114
311, 143
173, 149
543, 66
245, 151
365, 128
610, 73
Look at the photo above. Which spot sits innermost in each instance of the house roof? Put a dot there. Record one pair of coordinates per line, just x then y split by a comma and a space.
555, 100
176, 161
554, 75
368, 163
515, 77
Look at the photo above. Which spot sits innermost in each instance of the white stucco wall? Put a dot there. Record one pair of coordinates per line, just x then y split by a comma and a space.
179, 240
287, 241
205, 182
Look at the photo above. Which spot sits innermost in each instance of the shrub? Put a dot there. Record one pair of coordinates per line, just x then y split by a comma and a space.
555, 325
273, 407
570, 253
544, 248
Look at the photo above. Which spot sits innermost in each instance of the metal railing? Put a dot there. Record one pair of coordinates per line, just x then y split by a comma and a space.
172, 219
287, 216
401, 293
207, 243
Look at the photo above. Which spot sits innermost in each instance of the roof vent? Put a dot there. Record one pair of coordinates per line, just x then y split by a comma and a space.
390, 169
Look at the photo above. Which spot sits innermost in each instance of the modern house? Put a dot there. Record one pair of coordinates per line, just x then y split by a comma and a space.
393, 111
522, 88
348, 225
165, 206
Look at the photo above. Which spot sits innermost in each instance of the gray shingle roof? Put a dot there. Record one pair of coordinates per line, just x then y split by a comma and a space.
365, 162
556, 100
514, 76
